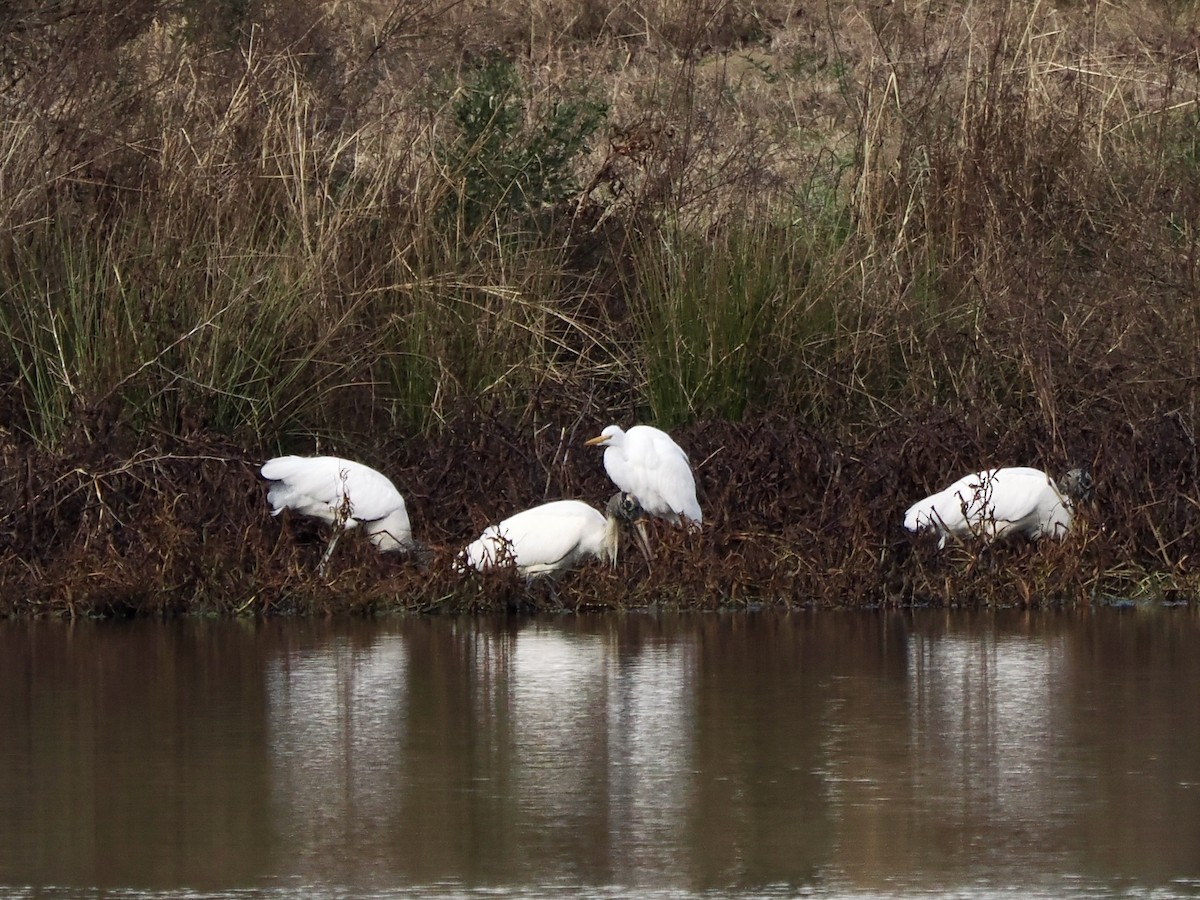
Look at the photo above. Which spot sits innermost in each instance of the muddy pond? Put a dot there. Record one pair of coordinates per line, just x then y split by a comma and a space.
744, 755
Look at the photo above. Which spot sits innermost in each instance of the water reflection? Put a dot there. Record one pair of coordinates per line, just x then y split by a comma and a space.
829, 753
131, 755
336, 722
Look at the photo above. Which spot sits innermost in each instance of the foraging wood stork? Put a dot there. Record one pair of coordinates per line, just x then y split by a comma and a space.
553, 537
999, 502
647, 463
342, 492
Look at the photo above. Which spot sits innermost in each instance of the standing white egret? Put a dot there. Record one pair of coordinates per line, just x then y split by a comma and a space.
553, 537
998, 502
645, 462
342, 492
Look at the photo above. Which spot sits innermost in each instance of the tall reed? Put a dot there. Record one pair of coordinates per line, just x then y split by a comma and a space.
843, 213
843, 249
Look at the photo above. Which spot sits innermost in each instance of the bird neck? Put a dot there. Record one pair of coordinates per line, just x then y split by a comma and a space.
391, 533
608, 546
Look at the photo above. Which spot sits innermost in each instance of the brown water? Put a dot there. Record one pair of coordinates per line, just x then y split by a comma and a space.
742, 755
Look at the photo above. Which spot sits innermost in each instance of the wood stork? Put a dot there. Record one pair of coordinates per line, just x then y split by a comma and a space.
998, 502
554, 537
342, 492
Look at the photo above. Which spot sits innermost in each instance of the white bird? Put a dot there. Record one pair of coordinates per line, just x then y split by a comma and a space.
342, 492
645, 462
553, 537
999, 502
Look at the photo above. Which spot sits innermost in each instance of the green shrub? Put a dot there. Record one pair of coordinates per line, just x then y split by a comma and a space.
505, 159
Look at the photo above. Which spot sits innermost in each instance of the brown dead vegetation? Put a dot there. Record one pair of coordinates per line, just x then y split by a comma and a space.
793, 518
960, 235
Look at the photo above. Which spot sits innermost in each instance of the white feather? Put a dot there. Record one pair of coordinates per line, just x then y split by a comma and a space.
647, 463
553, 537
998, 502
334, 489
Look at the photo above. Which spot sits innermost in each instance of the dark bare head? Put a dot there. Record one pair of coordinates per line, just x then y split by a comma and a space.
1078, 485
624, 509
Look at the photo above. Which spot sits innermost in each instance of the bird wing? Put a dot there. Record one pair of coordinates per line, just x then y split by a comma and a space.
954, 508
991, 496
655, 469
325, 480
300, 483
540, 537
372, 494
1030, 502
287, 468
1019, 493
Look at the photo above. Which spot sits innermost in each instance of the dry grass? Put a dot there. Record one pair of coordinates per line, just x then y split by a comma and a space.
936, 235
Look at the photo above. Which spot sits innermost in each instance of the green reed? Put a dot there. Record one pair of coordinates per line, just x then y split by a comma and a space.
279, 251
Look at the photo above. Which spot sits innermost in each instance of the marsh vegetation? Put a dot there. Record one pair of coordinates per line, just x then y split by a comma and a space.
845, 252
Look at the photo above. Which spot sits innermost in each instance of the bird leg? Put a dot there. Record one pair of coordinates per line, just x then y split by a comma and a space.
328, 552
340, 517
982, 556
552, 588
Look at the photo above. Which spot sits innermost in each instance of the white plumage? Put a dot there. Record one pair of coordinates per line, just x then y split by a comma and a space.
999, 502
647, 463
340, 491
553, 537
